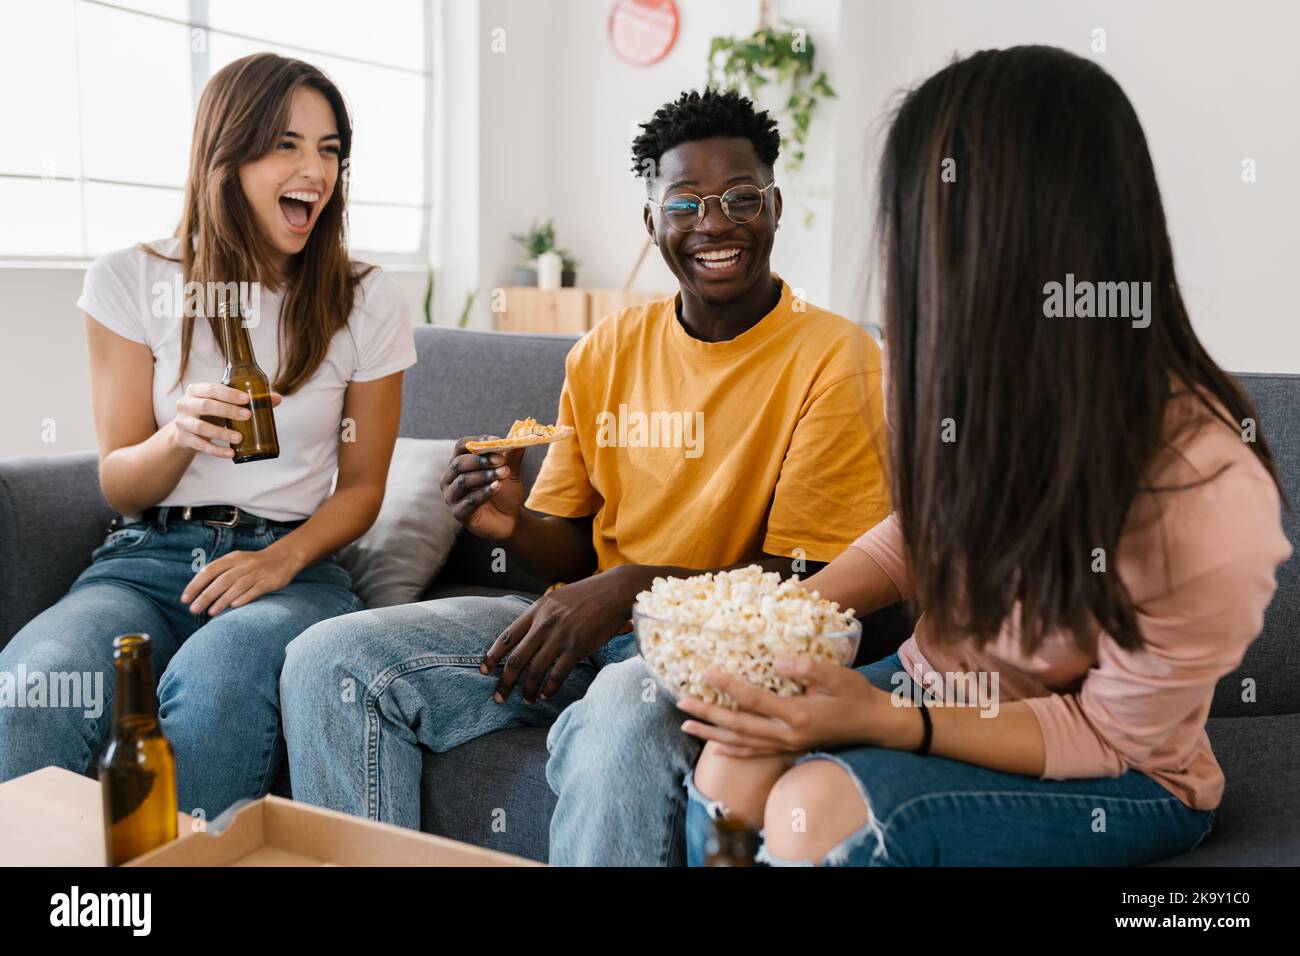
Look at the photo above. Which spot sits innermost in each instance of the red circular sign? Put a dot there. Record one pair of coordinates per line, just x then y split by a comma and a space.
643, 31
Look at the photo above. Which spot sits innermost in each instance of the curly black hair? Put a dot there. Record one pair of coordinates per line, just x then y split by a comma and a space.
695, 116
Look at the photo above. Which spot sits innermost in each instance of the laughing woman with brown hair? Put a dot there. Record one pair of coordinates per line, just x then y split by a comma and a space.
223, 564
1077, 516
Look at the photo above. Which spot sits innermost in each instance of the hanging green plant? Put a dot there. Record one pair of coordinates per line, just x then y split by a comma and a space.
783, 55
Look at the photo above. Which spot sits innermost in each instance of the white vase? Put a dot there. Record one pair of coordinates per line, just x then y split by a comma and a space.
550, 270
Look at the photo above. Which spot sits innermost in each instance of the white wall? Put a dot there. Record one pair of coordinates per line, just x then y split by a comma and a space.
544, 129
560, 110
44, 374
1212, 83
606, 230
44, 367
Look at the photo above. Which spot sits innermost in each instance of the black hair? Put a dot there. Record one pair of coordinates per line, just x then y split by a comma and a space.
694, 116
1071, 419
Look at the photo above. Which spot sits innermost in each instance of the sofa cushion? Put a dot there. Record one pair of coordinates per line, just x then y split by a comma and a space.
403, 551
1273, 660
474, 383
52, 516
1256, 824
491, 792
449, 589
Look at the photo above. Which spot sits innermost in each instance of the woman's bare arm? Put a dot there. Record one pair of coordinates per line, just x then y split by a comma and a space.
139, 463
854, 580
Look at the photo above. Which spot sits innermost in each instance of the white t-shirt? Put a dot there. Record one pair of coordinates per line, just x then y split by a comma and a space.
134, 294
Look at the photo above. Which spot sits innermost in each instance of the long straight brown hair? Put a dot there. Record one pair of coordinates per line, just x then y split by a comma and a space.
1019, 442
242, 114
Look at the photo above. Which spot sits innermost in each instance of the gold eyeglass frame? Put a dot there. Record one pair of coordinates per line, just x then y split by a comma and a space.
704, 205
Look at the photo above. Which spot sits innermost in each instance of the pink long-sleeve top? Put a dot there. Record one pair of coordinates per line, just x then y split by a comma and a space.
1200, 565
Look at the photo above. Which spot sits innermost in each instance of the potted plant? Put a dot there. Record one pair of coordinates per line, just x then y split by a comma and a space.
781, 58
540, 238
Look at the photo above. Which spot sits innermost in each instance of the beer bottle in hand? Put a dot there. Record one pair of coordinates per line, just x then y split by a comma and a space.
137, 771
242, 372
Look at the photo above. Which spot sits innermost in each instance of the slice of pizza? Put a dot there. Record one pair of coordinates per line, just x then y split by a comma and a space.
521, 435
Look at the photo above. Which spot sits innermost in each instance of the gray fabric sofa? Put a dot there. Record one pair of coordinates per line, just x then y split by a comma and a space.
52, 516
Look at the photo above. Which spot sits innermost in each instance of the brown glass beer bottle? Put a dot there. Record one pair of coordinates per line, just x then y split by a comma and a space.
242, 372
731, 842
137, 771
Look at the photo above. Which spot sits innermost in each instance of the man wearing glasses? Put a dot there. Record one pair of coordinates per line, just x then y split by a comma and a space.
732, 424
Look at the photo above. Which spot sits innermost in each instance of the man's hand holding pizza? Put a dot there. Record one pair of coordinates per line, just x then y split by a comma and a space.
483, 486
485, 491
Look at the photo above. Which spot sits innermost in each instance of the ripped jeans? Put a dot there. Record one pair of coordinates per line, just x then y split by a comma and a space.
932, 811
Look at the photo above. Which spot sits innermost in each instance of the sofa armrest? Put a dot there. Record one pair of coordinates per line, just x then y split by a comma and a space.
52, 516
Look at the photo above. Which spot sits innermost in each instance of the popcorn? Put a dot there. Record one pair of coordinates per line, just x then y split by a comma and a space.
740, 621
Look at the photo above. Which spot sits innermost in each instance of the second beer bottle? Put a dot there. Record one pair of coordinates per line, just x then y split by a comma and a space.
137, 770
242, 372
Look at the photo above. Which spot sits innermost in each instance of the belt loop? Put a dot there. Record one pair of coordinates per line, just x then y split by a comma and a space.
162, 517
260, 527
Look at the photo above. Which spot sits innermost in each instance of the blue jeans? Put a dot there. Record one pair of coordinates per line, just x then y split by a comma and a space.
364, 694
932, 811
217, 677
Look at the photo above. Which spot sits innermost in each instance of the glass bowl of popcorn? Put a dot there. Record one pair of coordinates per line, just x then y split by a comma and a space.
741, 622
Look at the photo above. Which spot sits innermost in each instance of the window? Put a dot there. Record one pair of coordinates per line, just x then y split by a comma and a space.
100, 100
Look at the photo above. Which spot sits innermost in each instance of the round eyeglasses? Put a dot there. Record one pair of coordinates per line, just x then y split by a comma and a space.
741, 204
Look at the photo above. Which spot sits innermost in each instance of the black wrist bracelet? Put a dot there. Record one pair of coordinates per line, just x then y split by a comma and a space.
924, 749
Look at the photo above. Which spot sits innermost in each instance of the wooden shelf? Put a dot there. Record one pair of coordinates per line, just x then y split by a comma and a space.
571, 311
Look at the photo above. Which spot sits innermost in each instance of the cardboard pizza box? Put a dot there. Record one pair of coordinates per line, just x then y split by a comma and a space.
273, 831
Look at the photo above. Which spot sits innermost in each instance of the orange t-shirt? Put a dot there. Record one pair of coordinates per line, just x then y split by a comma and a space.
705, 454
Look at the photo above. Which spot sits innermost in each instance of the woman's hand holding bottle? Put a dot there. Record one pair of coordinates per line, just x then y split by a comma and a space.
201, 415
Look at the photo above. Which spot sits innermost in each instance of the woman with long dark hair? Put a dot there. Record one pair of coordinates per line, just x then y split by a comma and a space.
1085, 515
223, 564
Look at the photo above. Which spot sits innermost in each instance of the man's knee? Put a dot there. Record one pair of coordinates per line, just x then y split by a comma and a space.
322, 643
623, 721
626, 692
325, 654
622, 705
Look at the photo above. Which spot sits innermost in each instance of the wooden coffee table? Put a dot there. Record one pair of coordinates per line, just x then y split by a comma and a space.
54, 817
